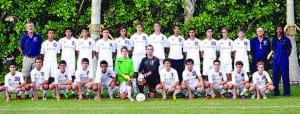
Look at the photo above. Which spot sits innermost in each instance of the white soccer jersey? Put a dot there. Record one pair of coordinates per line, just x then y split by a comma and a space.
262, 79
122, 42
139, 42
68, 47
216, 77
103, 77
38, 76
226, 48
13, 81
81, 76
85, 48
192, 49
241, 47
62, 77
209, 47
176, 47
159, 43
50, 50
238, 78
190, 75
168, 77
105, 51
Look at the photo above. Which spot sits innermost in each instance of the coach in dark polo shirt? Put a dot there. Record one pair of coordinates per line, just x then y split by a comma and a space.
30, 45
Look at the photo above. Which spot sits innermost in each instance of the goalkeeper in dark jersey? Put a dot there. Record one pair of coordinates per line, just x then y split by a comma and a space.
148, 70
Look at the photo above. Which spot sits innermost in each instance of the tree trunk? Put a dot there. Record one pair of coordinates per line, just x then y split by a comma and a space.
294, 70
189, 9
95, 25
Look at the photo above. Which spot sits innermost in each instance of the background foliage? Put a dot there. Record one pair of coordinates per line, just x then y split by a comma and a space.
59, 14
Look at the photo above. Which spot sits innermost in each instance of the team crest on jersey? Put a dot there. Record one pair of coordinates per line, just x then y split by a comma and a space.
196, 43
162, 38
54, 45
180, 39
73, 43
220, 74
172, 74
242, 74
126, 42
194, 73
110, 44
264, 77
87, 73
66, 76
144, 37
265, 42
9, 80
42, 73
90, 43
17, 78
34, 39
213, 43
229, 43
245, 43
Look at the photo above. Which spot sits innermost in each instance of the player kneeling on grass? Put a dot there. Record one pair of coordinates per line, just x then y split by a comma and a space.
169, 81
124, 70
83, 79
261, 82
13, 83
105, 78
240, 81
193, 81
62, 82
39, 79
217, 81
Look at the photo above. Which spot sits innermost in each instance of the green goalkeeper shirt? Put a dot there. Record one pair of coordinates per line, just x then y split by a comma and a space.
123, 66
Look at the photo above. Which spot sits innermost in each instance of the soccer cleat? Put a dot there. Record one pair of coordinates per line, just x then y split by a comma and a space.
243, 97
207, 96
230, 95
264, 97
130, 98
174, 97
26, 96
111, 96
253, 96
18, 97
197, 94
222, 96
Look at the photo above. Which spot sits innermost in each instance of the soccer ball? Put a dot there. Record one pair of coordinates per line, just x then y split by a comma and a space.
140, 97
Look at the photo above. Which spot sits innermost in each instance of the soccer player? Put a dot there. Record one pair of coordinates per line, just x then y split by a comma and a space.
159, 42
83, 79
175, 51
13, 83
122, 41
209, 51
260, 47
169, 82
50, 49
217, 81
192, 80
240, 81
149, 70
39, 79
191, 49
68, 49
105, 78
241, 48
62, 82
85, 48
226, 50
261, 82
281, 46
124, 71
30, 45
105, 49
139, 42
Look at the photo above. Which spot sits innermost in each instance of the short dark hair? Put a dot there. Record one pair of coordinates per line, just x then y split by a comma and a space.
103, 62
189, 61
191, 28
139, 23
124, 47
175, 26
62, 62
166, 60
105, 28
84, 28
239, 63
50, 30
12, 63
38, 58
209, 28
241, 30
216, 61
85, 60
68, 28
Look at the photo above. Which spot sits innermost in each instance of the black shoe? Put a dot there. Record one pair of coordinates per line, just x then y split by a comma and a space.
276, 94
287, 95
26, 96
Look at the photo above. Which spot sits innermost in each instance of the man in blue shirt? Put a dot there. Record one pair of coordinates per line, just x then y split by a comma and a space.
281, 47
260, 47
30, 45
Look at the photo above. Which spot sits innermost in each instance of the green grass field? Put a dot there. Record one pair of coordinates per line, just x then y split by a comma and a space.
272, 105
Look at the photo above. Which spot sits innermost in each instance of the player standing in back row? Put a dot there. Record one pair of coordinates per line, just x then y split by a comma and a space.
226, 50
241, 48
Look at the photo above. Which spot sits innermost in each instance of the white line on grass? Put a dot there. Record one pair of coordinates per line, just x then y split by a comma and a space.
163, 107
